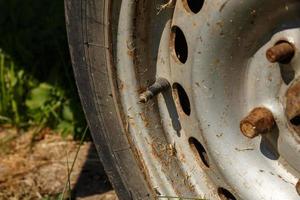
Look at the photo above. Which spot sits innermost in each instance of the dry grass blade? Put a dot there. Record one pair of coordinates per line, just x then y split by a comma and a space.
169, 4
67, 185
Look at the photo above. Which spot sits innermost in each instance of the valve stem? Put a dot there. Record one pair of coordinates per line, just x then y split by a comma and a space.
161, 84
260, 120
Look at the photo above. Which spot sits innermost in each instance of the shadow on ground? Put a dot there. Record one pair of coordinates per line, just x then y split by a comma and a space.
92, 179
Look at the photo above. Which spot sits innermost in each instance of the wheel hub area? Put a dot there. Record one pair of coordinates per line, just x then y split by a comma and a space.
213, 54
270, 84
227, 74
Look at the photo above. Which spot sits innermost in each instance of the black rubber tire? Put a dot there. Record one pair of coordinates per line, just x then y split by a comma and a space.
90, 25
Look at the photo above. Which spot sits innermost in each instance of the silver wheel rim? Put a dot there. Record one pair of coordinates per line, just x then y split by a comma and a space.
201, 152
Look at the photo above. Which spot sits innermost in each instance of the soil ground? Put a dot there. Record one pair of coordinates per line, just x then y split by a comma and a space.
36, 167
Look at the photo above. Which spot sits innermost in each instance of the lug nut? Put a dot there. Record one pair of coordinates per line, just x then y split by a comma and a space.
260, 120
160, 85
282, 52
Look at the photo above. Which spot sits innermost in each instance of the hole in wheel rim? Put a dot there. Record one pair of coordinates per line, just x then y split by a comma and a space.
193, 5
295, 120
224, 194
179, 45
183, 98
198, 149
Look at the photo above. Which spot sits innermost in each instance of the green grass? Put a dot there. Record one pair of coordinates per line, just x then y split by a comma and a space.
11, 90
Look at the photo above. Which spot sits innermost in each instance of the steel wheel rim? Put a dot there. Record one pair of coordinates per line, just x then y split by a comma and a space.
235, 164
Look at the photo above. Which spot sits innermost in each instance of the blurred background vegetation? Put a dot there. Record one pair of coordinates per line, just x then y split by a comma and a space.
37, 88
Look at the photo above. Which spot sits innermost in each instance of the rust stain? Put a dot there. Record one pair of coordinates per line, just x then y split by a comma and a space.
171, 150
143, 117
164, 153
142, 89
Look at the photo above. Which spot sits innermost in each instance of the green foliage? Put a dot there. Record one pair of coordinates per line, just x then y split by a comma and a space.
26, 101
46, 104
36, 80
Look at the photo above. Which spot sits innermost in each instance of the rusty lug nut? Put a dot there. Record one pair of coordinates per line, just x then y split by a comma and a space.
160, 85
260, 120
282, 52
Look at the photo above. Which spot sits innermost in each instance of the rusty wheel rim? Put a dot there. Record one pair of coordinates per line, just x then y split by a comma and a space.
213, 54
